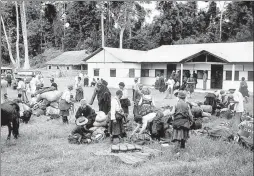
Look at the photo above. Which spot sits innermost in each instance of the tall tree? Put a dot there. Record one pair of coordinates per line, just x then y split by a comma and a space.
17, 40
24, 31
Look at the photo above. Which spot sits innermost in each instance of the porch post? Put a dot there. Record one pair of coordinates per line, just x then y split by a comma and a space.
233, 72
181, 74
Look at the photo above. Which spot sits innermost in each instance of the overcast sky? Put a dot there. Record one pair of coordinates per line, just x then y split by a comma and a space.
152, 5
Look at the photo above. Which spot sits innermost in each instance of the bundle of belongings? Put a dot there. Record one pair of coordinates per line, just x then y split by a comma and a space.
88, 130
201, 114
46, 102
25, 110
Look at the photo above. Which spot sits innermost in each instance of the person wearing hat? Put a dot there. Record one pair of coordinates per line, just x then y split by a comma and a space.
65, 104
86, 111
182, 118
53, 84
238, 107
103, 96
116, 115
125, 102
81, 127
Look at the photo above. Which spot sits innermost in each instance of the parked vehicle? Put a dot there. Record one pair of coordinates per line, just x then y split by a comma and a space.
4, 71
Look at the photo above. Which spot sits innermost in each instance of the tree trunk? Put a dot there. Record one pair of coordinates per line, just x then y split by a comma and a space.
24, 31
121, 37
102, 30
17, 41
8, 44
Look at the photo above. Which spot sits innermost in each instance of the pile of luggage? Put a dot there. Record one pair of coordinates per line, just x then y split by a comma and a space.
47, 103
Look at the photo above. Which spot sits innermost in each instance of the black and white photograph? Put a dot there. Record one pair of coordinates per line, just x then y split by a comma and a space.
126, 88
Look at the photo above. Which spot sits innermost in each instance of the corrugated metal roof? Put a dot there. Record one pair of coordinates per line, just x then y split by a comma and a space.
69, 58
116, 55
232, 52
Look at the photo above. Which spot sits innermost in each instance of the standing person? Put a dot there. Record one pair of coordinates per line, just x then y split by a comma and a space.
162, 84
170, 84
190, 84
81, 75
238, 107
182, 119
86, 80
146, 102
39, 82
22, 90
65, 104
204, 80
9, 78
93, 83
79, 91
173, 74
125, 102
244, 89
195, 76
157, 84
116, 128
53, 84
137, 97
33, 83
104, 97
177, 76
134, 88
4, 85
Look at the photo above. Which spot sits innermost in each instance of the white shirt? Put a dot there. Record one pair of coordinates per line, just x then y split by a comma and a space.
170, 82
238, 97
125, 93
33, 85
115, 107
21, 85
67, 96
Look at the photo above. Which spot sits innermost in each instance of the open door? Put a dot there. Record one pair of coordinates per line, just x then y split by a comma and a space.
216, 76
170, 68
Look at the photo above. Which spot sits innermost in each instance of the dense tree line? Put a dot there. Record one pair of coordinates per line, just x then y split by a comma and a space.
77, 25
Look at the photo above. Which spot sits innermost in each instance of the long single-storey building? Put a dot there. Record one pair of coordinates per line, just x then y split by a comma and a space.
226, 64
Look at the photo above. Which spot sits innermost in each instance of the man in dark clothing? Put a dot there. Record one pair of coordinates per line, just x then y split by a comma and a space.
53, 84
86, 111
9, 79
103, 95
195, 76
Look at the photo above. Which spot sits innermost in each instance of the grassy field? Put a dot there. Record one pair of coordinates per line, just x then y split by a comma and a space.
43, 149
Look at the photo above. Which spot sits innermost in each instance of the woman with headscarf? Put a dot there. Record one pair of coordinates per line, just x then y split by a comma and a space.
125, 102
65, 104
244, 89
191, 84
182, 118
116, 128
103, 95
146, 102
79, 91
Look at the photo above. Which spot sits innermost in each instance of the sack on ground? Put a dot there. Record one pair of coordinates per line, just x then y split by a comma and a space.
245, 133
206, 114
100, 124
100, 117
50, 110
207, 108
54, 104
39, 112
74, 139
52, 95
221, 132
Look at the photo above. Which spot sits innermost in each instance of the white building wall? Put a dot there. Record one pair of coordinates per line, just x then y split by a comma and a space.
122, 73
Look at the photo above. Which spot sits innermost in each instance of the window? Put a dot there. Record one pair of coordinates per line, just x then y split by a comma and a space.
57, 67
67, 68
49, 66
131, 73
144, 72
236, 75
228, 75
96, 72
200, 74
159, 72
250, 76
112, 72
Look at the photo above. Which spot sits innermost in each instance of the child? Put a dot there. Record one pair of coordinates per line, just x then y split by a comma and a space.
182, 119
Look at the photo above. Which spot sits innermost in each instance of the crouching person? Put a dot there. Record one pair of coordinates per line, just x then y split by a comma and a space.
117, 118
86, 111
182, 119
65, 104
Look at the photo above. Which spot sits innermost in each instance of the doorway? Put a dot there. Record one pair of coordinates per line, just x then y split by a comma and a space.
170, 68
216, 76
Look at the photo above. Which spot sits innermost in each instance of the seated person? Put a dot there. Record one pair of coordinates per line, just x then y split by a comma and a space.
81, 127
86, 111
